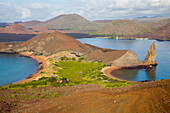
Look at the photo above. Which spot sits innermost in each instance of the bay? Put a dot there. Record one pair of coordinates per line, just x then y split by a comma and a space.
139, 47
14, 67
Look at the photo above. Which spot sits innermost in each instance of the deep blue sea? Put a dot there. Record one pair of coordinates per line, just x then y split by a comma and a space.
15, 67
139, 47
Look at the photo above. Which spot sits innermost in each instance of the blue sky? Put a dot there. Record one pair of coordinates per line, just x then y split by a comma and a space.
24, 10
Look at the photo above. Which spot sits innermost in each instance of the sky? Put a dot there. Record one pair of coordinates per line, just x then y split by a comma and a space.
24, 10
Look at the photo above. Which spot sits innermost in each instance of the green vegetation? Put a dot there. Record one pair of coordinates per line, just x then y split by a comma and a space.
72, 72
82, 72
44, 81
166, 39
31, 50
11, 50
146, 31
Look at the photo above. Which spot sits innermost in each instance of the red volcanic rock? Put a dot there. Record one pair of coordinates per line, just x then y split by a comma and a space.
42, 29
20, 29
16, 28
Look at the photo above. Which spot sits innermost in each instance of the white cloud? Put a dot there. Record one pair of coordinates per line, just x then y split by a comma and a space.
25, 13
90, 9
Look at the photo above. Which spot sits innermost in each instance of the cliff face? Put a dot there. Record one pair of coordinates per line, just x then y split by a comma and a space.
150, 58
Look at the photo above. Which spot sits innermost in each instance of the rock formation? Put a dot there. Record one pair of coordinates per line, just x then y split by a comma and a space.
122, 58
150, 58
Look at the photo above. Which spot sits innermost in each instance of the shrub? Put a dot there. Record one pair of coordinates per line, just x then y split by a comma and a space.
73, 58
41, 54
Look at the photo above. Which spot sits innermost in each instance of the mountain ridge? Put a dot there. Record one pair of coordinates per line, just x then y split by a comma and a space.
127, 27
68, 22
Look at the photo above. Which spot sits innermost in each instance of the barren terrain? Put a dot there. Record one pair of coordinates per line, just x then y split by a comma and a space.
140, 97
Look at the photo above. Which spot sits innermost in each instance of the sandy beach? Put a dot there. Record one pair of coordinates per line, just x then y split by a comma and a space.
107, 72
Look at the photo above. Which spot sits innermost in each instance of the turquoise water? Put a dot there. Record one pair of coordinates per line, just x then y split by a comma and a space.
15, 67
140, 47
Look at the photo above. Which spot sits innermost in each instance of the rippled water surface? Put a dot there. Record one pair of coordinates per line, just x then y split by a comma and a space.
140, 47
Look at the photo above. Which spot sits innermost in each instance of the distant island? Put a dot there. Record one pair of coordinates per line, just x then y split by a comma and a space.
74, 23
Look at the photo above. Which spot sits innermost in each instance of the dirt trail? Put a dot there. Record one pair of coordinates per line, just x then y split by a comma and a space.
151, 97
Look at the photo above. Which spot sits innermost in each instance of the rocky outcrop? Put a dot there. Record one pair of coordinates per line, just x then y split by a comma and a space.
122, 58
150, 58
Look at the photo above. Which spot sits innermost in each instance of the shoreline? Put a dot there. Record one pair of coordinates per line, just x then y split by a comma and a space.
42, 65
107, 72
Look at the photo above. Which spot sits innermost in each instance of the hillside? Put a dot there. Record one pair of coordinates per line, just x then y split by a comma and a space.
102, 21
129, 27
16, 28
31, 24
141, 97
21, 29
162, 33
68, 22
48, 44
148, 20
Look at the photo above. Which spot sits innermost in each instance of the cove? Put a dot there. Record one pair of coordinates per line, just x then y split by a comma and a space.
15, 67
139, 47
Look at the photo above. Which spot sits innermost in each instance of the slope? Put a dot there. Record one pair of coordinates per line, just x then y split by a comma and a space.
16, 28
129, 27
31, 24
162, 33
47, 44
67, 22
